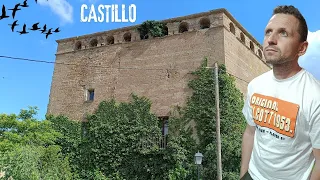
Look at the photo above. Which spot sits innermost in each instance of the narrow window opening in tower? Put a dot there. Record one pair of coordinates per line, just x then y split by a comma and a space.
183, 27
110, 40
251, 46
78, 45
242, 37
204, 23
94, 42
232, 28
127, 37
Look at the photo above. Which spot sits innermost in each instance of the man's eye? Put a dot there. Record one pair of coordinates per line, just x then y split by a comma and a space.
283, 33
268, 32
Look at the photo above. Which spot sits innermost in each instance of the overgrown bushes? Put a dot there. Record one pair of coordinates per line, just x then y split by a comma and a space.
120, 140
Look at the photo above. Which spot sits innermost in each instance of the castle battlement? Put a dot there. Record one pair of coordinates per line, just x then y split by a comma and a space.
174, 26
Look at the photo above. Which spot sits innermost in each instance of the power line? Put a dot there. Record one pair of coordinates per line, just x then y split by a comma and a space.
26, 59
70, 64
96, 66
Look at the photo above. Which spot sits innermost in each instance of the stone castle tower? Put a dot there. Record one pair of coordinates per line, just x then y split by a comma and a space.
115, 63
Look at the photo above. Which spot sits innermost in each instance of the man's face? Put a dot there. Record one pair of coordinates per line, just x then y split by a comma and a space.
281, 39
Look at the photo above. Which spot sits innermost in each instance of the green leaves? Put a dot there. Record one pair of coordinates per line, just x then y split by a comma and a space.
122, 140
34, 162
27, 131
28, 114
201, 109
118, 133
28, 149
153, 28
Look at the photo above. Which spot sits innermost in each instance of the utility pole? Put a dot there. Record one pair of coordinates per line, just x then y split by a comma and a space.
219, 164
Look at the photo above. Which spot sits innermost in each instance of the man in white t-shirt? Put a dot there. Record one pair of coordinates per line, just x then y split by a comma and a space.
282, 109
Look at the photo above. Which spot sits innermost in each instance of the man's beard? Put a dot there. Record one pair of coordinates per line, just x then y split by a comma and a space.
275, 58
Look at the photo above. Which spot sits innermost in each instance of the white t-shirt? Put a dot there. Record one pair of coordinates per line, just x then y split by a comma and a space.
286, 114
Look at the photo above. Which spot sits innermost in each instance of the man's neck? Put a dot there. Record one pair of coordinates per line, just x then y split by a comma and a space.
286, 70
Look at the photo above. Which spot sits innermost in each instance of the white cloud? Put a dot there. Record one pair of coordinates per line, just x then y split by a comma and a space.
90, 1
93, 1
60, 7
311, 60
42, 42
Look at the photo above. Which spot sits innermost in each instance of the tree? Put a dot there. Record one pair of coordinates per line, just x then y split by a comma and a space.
28, 149
70, 141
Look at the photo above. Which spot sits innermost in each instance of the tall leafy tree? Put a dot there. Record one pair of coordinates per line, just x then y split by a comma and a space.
28, 149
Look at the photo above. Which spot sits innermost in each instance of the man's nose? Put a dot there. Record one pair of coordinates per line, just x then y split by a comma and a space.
272, 39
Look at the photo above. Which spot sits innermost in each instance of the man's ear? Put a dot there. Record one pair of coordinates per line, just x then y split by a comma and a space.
303, 48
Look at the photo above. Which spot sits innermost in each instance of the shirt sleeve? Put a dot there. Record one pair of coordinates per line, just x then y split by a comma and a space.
314, 131
247, 109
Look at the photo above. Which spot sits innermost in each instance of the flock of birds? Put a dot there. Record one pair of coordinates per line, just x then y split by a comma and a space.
35, 27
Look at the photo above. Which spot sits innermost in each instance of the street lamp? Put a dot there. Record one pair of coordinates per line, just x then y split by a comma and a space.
198, 159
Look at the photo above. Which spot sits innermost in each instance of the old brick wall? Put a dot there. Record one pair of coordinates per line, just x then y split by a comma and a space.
157, 68
243, 54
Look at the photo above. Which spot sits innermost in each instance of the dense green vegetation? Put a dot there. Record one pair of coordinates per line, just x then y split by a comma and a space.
121, 140
152, 28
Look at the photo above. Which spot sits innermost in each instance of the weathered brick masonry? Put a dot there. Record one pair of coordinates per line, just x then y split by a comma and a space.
117, 62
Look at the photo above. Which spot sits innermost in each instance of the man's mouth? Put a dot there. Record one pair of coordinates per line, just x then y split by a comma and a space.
272, 50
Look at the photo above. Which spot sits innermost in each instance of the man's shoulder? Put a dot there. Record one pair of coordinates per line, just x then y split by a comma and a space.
311, 86
312, 80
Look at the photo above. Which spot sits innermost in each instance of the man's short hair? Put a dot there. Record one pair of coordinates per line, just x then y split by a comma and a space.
303, 28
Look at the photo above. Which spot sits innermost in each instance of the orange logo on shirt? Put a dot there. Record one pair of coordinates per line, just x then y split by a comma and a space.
274, 113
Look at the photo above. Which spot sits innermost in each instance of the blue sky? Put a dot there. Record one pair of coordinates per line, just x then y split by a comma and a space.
24, 83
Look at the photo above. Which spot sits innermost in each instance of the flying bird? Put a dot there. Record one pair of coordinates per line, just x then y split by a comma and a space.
24, 4
15, 9
44, 29
56, 30
4, 14
35, 27
48, 33
24, 30
13, 25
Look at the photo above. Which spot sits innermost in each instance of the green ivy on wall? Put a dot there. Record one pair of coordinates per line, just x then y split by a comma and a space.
121, 140
152, 28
